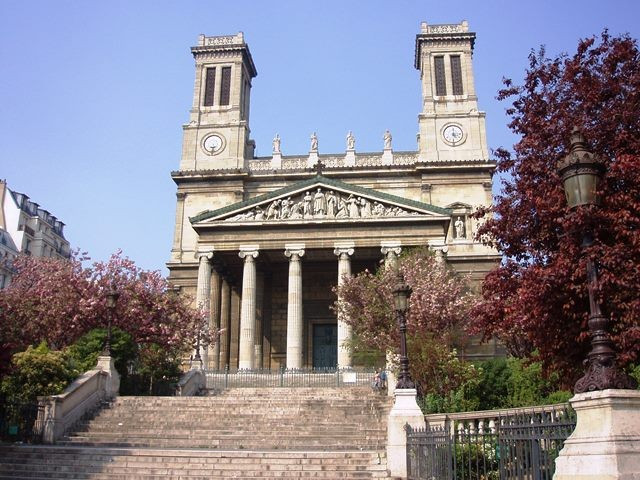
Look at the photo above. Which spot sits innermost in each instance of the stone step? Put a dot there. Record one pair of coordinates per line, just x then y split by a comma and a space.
60, 462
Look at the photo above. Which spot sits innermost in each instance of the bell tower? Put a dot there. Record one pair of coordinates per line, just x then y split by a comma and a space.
217, 135
451, 126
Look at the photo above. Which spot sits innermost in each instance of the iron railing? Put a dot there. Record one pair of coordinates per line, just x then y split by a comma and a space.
21, 422
521, 446
291, 378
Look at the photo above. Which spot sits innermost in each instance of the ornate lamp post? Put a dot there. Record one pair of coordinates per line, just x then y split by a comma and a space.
197, 358
112, 300
401, 294
581, 172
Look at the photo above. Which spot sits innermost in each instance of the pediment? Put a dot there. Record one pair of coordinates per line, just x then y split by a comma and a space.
320, 199
459, 206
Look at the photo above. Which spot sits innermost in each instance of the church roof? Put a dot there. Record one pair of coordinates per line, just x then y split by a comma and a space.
327, 182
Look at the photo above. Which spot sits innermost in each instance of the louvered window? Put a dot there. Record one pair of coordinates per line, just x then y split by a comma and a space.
456, 75
441, 83
225, 92
209, 86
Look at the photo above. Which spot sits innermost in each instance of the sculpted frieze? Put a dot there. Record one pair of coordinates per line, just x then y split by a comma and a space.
318, 205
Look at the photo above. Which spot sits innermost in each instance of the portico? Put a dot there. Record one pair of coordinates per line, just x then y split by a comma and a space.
300, 261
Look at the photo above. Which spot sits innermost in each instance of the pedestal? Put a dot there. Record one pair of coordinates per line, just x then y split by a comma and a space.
606, 442
350, 158
387, 157
313, 159
405, 410
276, 161
106, 364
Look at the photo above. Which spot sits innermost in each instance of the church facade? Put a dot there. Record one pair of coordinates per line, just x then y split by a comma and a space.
260, 242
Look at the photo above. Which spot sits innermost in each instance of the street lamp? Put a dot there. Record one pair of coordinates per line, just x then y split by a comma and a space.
401, 294
112, 300
581, 172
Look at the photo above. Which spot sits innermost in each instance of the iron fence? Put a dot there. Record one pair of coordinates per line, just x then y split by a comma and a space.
290, 378
520, 446
21, 422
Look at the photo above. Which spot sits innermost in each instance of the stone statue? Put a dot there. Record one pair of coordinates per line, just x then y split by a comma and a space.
319, 203
365, 207
314, 142
387, 140
259, 213
308, 207
378, 209
354, 212
272, 210
276, 143
332, 204
459, 226
296, 210
351, 141
285, 208
343, 208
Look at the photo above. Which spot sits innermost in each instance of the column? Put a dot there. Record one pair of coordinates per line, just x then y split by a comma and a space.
259, 320
440, 254
344, 329
214, 325
391, 253
294, 308
247, 309
225, 324
203, 291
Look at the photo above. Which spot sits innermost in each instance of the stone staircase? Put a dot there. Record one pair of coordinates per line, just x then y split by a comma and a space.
242, 433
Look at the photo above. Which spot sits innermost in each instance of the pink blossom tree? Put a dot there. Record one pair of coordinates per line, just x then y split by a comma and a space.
57, 301
437, 315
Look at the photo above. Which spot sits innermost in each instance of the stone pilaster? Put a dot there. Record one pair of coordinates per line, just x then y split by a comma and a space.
214, 320
294, 308
225, 322
176, 249
203, 290
344, 329
248, 309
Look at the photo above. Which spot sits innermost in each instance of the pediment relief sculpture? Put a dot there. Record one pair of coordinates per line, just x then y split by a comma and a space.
320, 204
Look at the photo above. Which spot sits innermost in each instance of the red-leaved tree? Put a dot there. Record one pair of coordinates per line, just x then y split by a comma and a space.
57, 301
536, 301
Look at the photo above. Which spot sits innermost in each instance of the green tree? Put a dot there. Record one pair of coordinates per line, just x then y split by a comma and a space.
37, 371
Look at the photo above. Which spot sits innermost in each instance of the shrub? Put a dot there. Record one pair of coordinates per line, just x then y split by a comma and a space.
37, 371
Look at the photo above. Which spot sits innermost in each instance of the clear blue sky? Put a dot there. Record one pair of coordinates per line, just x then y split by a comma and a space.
93, 94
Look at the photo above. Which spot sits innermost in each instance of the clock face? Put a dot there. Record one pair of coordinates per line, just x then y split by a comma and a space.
213, 144
452, 134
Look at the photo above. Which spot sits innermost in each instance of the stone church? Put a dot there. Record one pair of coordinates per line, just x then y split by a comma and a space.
260, 242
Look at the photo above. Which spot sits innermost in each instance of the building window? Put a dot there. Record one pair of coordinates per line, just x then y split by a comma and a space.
225, 88
441, 83
456, 74
209, 86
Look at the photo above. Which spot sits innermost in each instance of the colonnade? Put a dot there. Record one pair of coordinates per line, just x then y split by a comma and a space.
213, 294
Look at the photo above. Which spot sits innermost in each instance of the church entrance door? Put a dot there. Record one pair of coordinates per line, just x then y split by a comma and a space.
325, 345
